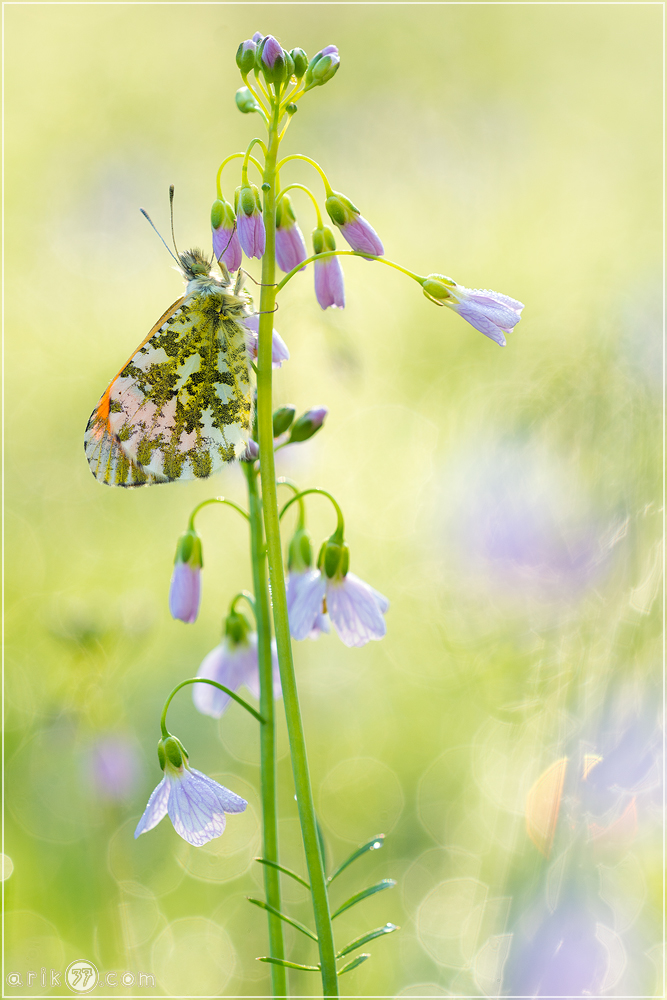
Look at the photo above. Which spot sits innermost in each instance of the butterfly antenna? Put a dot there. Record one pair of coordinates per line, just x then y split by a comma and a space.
171, 213
147, 216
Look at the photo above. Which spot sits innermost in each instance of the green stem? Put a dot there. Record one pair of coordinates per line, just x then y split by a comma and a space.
340, 527
205, 503
204, 680
420, 279
304, 793
267, 734
301, 156
302, 187
228, 159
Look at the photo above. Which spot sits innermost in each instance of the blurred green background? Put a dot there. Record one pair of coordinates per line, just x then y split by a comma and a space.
506, 501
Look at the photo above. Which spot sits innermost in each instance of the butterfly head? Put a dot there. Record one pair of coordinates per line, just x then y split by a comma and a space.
194, 264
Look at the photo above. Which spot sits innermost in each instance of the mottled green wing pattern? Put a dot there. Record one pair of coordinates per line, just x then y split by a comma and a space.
182, 405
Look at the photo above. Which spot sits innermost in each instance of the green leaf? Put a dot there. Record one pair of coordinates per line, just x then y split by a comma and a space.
365, 938
354, 963
386, 883
285, 871
373, 845
289, 965
288, 920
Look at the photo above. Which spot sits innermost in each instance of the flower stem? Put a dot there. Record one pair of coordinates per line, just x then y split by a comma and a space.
304, 793
204, 680
348, 253
268, 730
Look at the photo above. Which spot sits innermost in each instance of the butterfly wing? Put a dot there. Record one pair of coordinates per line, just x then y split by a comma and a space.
182, 405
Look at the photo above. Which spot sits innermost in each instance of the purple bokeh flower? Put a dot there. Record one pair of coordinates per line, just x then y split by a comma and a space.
294, 584
355, 608
232, 664
185, 592
279, 351
196, 805
492, 313
249, 222
112, 768
226, 246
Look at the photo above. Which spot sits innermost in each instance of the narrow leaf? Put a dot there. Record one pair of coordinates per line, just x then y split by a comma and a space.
386, 883
373, 845
289, 965
354, 963
285, 871
365, 938
288, 920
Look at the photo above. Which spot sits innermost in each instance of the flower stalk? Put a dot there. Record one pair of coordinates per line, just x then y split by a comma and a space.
304, 793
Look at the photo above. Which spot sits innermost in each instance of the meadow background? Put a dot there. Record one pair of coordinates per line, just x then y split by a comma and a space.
505, 734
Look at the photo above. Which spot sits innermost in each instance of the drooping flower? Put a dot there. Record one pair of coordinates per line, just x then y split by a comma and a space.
195, 803
329, 283
185, 587
355, 229
492, 313
356, 609
293, 585
250, 225
279, 351
226, 246
233, 662
290, 244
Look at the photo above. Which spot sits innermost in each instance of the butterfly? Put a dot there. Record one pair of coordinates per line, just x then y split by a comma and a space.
182, 405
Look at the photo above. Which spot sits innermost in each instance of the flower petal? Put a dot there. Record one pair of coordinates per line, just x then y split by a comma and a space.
230, 802
307, 604
194, 809
155, 810
354, 611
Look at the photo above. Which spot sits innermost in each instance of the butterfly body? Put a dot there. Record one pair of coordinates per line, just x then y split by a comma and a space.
182, 405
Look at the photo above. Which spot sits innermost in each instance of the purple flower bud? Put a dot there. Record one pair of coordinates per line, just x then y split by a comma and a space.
329, 283
185, 588
249, 222
308, 424
251, 451
258, 37
322, 66
185, 592
355, 229
290, 244
245, 56
362, 237
226, 246
492, 313
271, 51
279, 352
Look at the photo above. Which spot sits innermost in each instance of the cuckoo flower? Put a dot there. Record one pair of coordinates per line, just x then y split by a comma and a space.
226, 246
252, 235
279, 351
196, 804
185, 587
355, 229
233, 663
356, 609
290, 245
329, 285
492, 313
